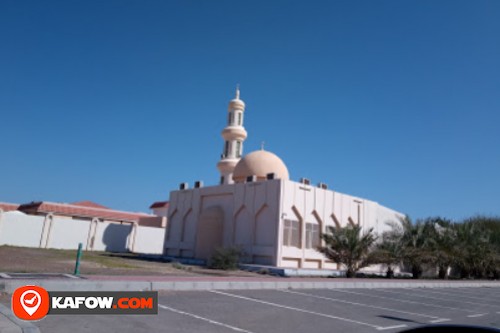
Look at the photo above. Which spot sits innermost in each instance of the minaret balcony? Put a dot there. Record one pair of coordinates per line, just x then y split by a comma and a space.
234, 133
227, 165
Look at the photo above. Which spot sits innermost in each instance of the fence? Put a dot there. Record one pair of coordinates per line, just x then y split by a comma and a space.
55, 232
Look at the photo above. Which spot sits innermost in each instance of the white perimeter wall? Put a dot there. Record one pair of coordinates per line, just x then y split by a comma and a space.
19, 229
112, 237
149, 240
67, 233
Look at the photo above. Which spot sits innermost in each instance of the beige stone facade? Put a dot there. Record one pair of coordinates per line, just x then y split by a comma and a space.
276, 222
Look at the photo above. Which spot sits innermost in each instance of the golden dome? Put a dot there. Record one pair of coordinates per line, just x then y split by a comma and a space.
260, 163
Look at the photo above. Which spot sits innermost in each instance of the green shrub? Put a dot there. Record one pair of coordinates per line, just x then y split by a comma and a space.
178, 265
226, 258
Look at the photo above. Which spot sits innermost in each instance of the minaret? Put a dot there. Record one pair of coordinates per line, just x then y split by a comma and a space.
233, 134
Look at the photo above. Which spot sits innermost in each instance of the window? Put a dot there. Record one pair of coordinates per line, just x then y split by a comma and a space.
239, 118
222, 180
312, 236
226, 149
238, 148
230, 118
291, 233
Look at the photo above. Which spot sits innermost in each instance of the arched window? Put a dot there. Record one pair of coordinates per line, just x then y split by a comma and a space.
291, 233
312, 235
238, 148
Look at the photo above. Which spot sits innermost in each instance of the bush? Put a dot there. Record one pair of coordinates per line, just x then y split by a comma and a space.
179, 265
226, 258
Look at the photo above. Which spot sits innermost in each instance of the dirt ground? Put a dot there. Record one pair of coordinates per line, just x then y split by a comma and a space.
35, 260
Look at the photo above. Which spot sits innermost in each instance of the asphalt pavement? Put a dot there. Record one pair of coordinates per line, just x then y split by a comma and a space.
298, 310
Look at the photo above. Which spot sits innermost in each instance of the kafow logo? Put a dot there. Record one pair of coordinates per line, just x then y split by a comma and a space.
34, 303
30, 302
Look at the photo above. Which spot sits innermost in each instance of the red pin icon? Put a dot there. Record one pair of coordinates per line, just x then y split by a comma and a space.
30, 302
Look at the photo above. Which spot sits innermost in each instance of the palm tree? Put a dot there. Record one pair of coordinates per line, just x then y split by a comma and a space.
477, 255
349, 247
442, 243
490, 229
414, 243
389, 252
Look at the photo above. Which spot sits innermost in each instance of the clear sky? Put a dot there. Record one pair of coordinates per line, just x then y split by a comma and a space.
120, 101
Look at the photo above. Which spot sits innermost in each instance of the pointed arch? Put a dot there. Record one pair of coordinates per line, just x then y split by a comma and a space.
335, 221
209, 232
243, 227
188, 230
317, 217
172, 213
264, 230
174, 226
297, 213
239, 210
293, 230
351, 221
314, 230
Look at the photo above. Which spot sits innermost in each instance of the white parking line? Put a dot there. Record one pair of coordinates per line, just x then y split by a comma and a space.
380, 328
390, 327
436, 319
400, 300
437, 298
451, 294
237, 329
477, 291
439, 320
477, 315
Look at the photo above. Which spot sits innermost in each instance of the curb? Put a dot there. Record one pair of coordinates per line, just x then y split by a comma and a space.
110, 285
23, 326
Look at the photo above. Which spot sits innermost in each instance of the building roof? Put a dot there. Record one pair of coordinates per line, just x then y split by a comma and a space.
75, 210
88, 203
159, 204
7, 207
260, 163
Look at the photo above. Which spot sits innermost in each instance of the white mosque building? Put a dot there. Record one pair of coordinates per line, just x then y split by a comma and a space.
256, 207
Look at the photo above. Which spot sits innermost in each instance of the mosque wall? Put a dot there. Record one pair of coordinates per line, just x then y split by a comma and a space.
306, 211
255, 214
245, 213
275, 222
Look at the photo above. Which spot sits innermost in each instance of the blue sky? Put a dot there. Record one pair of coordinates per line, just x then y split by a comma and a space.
119, 101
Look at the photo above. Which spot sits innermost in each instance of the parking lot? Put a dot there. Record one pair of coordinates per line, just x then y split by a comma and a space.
299, 310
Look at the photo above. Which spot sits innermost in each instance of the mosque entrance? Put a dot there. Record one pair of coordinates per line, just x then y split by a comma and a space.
209, 232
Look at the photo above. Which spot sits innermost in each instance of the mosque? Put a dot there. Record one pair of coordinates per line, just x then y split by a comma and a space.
256, 207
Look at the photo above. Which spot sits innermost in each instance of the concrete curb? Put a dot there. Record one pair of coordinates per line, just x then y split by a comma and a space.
13, 324
283, 283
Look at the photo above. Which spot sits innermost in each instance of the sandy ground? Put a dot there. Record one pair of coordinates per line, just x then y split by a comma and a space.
34, 260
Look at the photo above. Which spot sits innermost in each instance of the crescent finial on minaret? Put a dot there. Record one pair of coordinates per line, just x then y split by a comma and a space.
237, 91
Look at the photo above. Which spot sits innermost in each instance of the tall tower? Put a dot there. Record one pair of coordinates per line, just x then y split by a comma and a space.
233, 134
